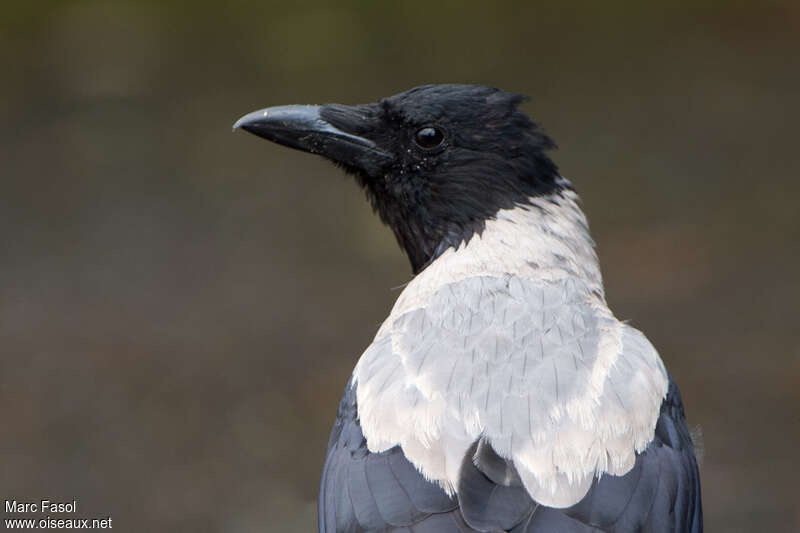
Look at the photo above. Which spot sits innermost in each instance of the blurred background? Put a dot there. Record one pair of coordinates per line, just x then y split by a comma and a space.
180, 306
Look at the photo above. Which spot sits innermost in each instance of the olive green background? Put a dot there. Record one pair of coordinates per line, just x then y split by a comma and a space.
180, 306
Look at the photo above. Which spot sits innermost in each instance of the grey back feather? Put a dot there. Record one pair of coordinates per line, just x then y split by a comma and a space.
539, 369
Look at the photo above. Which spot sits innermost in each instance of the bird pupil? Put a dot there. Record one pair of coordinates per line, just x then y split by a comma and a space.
429, 137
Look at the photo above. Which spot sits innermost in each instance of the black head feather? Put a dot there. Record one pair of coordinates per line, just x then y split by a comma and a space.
436, 161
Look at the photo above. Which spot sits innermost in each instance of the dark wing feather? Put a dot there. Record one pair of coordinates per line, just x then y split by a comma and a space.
662, 491
362, 491
490, 493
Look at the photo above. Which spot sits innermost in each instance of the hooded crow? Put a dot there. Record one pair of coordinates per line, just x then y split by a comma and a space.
501, 393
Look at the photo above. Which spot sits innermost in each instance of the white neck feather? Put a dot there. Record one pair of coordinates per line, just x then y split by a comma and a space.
547, 240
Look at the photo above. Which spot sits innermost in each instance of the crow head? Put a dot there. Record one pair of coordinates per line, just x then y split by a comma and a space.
436, 161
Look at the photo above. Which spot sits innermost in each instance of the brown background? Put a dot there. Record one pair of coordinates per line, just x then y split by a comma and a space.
181, 306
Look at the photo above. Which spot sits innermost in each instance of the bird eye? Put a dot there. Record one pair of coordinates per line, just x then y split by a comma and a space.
429, 137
